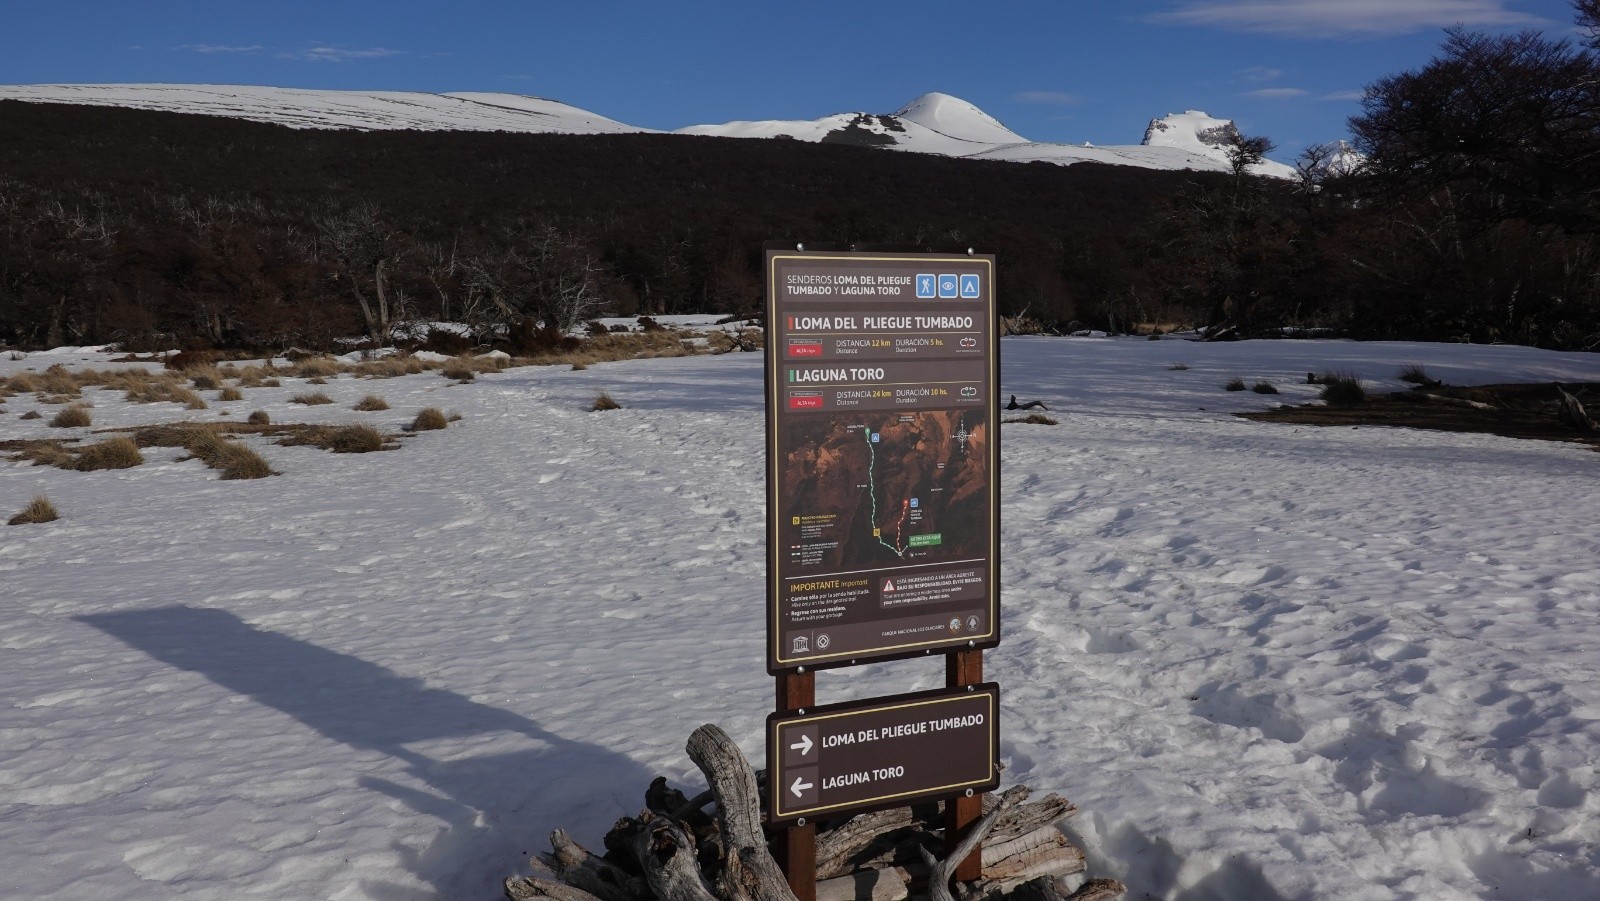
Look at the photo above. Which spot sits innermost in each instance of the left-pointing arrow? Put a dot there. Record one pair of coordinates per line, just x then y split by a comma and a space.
803, 745
799, 786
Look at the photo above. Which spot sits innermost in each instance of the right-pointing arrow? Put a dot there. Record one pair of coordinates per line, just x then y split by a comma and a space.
803, 745
799, 786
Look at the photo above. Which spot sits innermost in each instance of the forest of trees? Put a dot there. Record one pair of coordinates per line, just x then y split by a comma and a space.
1476, 217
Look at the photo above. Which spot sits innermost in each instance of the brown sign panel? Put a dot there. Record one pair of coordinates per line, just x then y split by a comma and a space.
883, 513
846, 758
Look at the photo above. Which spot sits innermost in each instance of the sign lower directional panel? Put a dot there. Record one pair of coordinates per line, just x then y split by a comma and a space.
888, 752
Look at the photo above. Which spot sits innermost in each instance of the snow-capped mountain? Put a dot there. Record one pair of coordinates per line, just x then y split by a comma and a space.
933, 123
1341, 159
1195, 132
950, 126
364, 110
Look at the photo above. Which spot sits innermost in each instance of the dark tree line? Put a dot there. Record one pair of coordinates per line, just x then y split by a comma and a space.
1476, 215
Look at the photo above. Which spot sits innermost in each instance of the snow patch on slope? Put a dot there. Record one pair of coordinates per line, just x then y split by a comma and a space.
363, 110
956, 118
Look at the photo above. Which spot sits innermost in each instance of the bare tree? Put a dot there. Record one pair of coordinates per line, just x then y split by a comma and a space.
1245, 151
1589, 20
361, 245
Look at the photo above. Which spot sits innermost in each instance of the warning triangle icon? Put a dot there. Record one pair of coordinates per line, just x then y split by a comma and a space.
888, 585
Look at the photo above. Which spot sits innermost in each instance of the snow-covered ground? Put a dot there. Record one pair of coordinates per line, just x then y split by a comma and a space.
1267, 661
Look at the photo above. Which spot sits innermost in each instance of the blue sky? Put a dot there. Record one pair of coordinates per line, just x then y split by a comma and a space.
1053, 71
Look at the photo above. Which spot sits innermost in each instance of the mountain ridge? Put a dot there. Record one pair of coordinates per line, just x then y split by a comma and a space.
934, 122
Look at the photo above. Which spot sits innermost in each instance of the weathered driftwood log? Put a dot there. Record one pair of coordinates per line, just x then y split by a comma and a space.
666, 852
873, 840
535, 888
1455, 401
750, 867
594, 875
1572, 413
1043, 852
940, 871
1022, 818
886, 884
1049, 888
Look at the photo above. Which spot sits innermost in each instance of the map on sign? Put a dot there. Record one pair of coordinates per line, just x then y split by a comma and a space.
898, 486
883, 521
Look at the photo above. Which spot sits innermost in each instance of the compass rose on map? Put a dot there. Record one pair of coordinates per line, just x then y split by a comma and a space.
961, 436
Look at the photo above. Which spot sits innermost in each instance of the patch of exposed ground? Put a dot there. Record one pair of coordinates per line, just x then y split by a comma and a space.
1514, 411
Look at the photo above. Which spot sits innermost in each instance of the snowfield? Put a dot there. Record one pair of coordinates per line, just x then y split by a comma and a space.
1267, 661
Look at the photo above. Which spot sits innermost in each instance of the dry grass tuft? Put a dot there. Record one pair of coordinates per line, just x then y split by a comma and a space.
311, 400
429, 419
347, 439
317, 380
316, 368
43, 453
459, 372
1343, 389
165, 388
231, 393
1264, 388
1033, 419
1414, 373
38, 510
205, 378
232, 459
32, 414
1235, 384
1178, 367
73, 417
190, 359
112, 453
21, 383
255, 376
604, 401
57, 380
371, 404
240, 462
259, 417
390, 367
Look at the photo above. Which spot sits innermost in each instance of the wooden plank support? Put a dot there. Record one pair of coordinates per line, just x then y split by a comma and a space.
797, 846
963, 668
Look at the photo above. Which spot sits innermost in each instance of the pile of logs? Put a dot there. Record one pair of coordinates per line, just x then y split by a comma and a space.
677, 849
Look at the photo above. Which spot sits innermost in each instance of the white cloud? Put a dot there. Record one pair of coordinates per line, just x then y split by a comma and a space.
1276, 93
1050, 98
220, 48
1344, 95
1344, 18
1259, 75
323, 53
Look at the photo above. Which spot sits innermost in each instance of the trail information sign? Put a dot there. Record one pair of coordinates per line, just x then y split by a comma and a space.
883, 516
887, 752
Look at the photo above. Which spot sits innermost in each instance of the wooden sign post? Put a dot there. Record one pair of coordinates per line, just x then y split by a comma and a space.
797, 845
